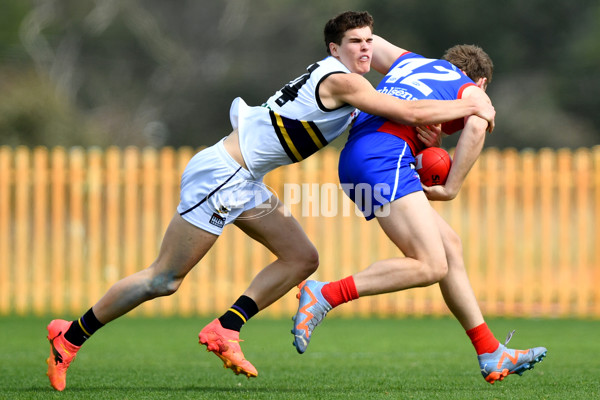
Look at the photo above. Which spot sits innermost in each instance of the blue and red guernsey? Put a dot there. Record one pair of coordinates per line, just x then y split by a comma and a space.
414, 77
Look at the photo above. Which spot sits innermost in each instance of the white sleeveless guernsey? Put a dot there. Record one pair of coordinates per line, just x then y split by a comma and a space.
292, 124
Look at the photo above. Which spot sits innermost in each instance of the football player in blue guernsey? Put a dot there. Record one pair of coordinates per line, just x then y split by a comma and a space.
377, 171
223, 184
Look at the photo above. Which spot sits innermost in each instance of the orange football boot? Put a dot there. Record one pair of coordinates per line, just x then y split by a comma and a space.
225, 343
62, 353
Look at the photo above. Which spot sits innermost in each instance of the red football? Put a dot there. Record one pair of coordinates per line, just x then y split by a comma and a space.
433, 166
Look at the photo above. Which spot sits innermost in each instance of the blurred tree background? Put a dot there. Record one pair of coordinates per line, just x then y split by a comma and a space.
156, 73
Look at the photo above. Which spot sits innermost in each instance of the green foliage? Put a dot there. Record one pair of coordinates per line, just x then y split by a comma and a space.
137, 358
13, 13
150, 72
33, 112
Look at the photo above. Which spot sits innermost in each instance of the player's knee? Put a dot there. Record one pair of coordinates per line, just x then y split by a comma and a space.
313, 263
307, 260
441, 270
311, 260
163, 284
453, 244
436, 270
454, 252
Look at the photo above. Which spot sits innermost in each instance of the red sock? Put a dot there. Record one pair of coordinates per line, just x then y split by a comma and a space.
483, 339
340, 292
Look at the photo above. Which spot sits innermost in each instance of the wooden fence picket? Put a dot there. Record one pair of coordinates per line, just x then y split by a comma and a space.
75, 221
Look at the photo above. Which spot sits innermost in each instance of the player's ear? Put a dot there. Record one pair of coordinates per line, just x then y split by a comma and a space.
482, 83
333, 49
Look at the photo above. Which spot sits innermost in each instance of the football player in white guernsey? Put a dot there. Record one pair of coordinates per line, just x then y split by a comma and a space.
222, 185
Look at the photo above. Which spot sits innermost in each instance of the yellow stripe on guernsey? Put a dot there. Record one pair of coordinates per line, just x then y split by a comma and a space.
286, 137
299, 139
238, 313
312, 134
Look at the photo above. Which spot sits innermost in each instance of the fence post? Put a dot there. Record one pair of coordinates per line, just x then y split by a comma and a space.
165, 209
548, 272
40, 230
492, 190
113, 215
76, 224
94, 259
131, 213
6, 241
564, 230
583, 232
148, 213
22, 230
508, 240
596, 210
58, 182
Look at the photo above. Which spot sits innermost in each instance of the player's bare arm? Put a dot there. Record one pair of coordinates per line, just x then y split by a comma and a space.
339, 89
384, 54
468, 149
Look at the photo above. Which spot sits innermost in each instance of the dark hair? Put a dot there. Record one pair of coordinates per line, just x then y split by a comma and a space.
336, 27
472, 60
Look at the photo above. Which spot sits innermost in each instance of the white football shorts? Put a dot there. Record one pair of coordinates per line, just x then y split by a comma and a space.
215, 190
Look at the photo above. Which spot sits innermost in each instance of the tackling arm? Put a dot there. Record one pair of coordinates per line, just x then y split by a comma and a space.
339, 89
384, 54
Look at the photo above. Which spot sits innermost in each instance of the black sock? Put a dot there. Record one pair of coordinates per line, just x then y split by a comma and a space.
239, 313
81, 329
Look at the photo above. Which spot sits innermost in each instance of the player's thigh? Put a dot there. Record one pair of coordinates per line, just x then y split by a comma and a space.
183, 246
277, 230
411, 224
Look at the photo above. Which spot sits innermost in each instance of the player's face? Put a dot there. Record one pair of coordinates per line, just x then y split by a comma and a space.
356, 50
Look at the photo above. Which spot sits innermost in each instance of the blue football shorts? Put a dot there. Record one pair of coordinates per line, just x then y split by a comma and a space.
375, 169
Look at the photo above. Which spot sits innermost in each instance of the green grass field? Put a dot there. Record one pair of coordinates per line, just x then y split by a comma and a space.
137, 358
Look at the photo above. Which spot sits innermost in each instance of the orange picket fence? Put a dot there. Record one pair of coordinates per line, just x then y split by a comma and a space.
74, 221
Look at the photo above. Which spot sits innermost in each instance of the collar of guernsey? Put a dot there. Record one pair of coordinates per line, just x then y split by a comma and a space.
292, 124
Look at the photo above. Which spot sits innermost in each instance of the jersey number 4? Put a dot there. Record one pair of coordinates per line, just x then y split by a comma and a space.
290, 91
